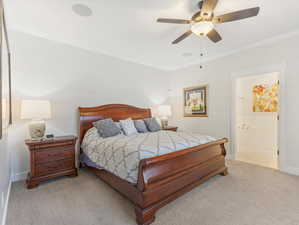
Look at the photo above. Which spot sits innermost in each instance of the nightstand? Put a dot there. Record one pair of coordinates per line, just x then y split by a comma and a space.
50, 158
170, 128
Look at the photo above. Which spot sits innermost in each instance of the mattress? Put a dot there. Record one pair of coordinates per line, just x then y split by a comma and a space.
121, 154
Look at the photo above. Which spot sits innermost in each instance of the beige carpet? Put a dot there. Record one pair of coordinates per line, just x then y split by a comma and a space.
250, 195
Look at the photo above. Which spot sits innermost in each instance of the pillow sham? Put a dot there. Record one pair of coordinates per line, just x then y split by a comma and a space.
140, 126
128, 127
152, 124
118, 124
106, 128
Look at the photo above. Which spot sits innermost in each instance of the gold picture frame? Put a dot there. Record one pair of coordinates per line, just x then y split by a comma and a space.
196, 101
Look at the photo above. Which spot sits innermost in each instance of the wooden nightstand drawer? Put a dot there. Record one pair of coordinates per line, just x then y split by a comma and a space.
64, 152
51, 158
50, 167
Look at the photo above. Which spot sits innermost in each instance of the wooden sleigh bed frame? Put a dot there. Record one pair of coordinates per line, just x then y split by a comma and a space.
163, 178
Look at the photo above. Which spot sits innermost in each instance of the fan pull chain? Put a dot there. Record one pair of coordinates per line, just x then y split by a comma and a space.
201, 53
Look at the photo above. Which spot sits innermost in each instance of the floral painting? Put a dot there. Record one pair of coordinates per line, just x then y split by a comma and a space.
265, 98
195, 102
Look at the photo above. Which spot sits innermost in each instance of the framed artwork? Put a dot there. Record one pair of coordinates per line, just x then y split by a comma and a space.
265, 98
5, 78
196, 102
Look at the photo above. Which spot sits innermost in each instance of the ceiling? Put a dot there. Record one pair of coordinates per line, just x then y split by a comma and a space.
128, 29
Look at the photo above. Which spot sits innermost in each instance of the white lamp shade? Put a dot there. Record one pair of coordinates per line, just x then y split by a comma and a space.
35, 109
164, 111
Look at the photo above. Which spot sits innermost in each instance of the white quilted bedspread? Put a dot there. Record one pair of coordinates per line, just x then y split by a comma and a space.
121, 154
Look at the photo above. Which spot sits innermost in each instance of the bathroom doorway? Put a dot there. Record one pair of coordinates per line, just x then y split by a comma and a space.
257, 119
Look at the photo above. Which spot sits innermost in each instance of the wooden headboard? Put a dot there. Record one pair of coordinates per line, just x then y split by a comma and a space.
115, 111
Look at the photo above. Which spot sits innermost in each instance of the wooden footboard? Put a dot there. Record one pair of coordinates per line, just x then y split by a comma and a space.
164, 178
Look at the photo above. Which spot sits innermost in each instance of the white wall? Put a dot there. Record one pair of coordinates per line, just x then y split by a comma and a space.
70, 77
4, 176
4, 151
256, 132
218, 74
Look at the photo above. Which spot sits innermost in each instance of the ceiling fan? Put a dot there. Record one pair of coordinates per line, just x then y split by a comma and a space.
203, 22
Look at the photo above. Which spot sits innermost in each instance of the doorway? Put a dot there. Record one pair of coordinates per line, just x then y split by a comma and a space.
257, 119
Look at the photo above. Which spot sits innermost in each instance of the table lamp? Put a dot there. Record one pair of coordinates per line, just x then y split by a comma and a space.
37, 111
164, 113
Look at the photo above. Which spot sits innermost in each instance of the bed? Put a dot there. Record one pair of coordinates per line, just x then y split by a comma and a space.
159, 179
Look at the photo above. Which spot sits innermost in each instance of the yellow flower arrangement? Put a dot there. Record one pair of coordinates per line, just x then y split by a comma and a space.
265, 98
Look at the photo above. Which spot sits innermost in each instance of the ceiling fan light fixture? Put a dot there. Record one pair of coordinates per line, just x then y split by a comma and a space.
202, 22
202, 28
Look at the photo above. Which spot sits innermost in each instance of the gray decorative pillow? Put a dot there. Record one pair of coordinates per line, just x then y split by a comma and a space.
140, 126
118, 124
106, 128
152, 124
128, 127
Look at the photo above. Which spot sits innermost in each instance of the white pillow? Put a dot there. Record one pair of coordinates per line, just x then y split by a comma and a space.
128, 127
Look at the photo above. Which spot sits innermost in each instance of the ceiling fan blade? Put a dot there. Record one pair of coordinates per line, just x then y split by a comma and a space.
182, 37
176, 21
200, 4
208, 7
214, 36
196, 17
238, 15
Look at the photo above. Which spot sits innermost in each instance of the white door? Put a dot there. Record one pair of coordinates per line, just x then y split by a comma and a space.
256, 131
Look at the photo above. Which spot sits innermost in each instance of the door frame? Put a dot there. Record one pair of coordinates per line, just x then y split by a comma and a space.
280, 68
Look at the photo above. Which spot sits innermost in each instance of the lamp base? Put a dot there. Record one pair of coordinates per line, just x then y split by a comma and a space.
37, 129
164, 123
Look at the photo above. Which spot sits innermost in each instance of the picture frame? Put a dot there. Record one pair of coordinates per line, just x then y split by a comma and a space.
265, 98
5, 77
196, 101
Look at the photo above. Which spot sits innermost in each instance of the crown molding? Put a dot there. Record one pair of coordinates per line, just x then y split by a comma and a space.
264, 42
103, 53
173, 69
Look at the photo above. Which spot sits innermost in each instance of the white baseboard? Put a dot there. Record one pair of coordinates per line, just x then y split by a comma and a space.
230, 157
291, 170
6, 204
19, 176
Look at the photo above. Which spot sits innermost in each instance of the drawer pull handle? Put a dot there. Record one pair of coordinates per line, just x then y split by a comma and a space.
54, 155
53, 167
